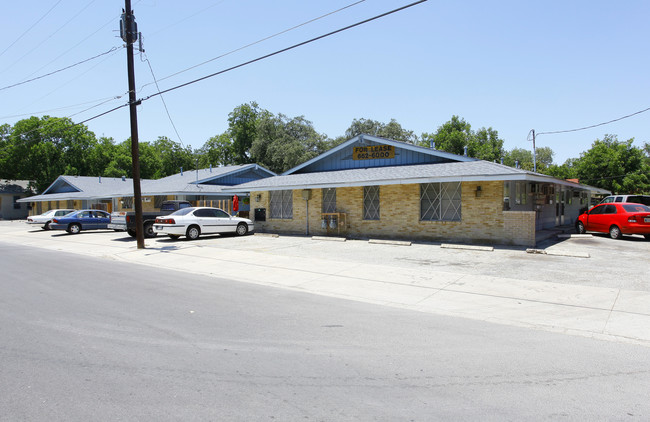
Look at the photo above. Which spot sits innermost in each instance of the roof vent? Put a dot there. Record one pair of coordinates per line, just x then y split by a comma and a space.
100, 179
465, 152
124, 178
181, 171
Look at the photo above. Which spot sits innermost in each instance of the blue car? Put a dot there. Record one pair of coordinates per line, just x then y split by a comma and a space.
77, 221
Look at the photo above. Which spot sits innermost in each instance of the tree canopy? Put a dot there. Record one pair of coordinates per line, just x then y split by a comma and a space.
41, 149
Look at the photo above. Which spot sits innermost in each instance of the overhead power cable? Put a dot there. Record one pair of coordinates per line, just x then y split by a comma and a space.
51, 35
101, 101
60, 70
284, 50
255, 60
258, 41
163, 100
593, 126
30, 28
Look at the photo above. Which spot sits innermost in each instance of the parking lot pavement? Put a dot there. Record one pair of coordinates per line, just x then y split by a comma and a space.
606, 295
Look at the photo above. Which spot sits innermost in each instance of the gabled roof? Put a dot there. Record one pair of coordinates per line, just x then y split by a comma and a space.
208, 181
364, 139
475, 170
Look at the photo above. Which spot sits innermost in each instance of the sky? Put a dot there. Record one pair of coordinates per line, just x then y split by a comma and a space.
513, 66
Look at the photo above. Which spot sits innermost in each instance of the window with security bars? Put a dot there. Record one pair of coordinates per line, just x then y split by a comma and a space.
329, 200
440, 201
371, 202
281, 204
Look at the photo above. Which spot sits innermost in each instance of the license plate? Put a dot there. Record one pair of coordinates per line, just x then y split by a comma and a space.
647, 219
158, 227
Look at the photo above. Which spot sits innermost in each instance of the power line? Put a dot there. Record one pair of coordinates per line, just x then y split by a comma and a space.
60, 70
30, 28
284, 50
101, 100
593, 126
73, 47
51, 35
162, 99
257, 42
256, 60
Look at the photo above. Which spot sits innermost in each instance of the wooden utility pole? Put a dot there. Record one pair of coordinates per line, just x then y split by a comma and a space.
129, 33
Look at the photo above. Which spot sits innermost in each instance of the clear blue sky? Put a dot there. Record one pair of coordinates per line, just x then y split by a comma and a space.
510, 65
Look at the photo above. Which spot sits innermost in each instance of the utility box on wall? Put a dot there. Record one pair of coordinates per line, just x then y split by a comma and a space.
260, 214
306, 194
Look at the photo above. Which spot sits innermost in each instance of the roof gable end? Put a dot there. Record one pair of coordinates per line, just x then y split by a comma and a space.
367, 151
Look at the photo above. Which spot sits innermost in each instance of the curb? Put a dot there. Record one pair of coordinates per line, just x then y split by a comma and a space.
389, 242
467, 247
331, 239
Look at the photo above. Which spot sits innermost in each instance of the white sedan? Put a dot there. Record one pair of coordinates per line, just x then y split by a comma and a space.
46, 218
195, 221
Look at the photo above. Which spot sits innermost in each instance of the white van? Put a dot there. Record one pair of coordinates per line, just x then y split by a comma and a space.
637, 199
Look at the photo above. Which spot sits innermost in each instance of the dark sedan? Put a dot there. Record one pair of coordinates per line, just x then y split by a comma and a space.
616, 219
81, 220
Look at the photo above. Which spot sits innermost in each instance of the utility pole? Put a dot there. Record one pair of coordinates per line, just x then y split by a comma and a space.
532, 131
129, 33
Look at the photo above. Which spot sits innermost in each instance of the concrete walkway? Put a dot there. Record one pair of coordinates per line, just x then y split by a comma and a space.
599, 312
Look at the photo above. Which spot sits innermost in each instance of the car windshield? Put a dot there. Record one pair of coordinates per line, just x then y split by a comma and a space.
183, 211
636, 208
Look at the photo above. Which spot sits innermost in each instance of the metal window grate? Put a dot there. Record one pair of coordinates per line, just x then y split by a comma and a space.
329, 200
281, 204
440, 201
371, 202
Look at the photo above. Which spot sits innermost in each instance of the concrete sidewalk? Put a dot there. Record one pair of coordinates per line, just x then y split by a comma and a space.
606, 313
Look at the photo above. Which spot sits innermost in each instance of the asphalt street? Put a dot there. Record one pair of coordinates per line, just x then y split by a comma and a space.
588, 285
94, 338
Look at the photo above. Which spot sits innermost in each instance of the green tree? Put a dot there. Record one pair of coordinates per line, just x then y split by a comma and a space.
453, 136
171, 157
242, 128
217, 151
283, 143
392, 130
615, 165
487, 145
41, 149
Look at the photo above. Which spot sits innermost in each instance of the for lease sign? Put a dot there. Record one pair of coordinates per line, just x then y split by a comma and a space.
373, 152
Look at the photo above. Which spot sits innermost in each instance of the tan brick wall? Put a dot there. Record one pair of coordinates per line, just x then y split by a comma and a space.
482, 217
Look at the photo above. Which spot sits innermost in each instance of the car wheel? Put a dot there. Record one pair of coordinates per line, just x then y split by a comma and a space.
46, 226
193, 232
647, 236
131, 232
74, 228
173, 236
242, 229
148, 230
615, 232
580, 228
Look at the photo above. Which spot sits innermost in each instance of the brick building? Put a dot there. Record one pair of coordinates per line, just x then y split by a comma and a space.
374, 187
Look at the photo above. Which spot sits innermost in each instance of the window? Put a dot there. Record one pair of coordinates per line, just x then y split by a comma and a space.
506, 196
440, 201
371, 202
520, 195
281, 204
597, 210
329, 200
610, 209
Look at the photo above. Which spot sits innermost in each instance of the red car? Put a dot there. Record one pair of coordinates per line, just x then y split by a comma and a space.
616, 219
